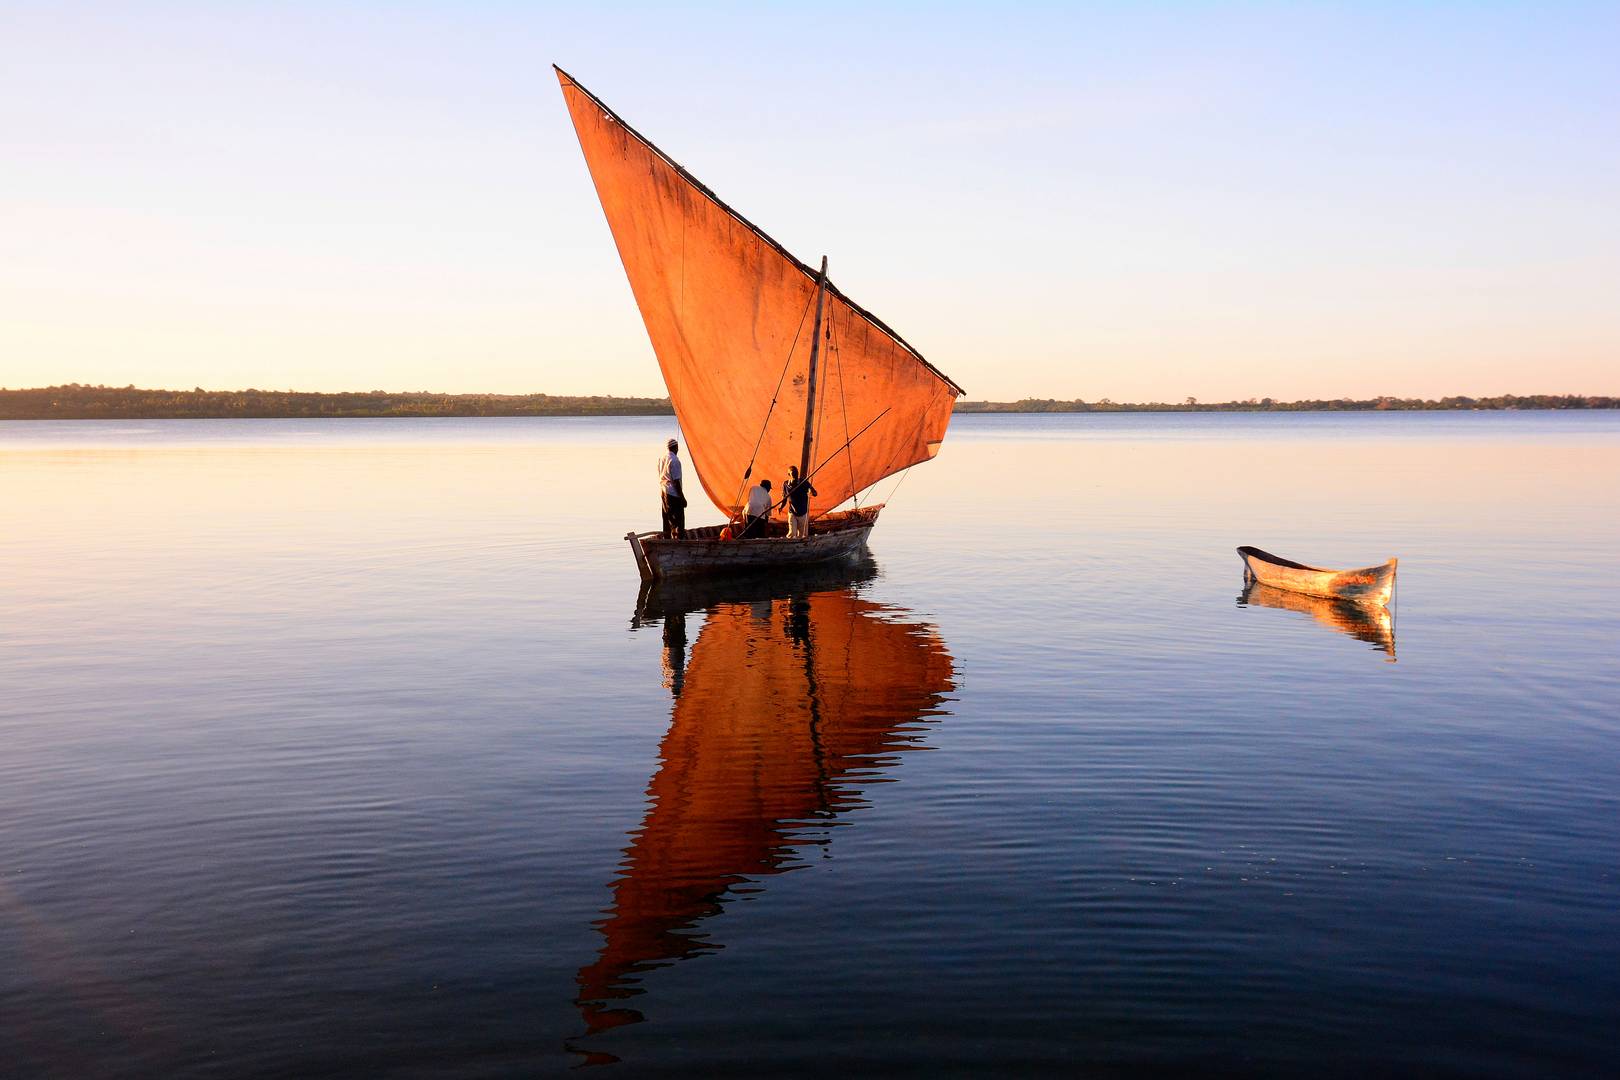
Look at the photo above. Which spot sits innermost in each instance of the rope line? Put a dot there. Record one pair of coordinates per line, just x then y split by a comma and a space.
888, 469
843, 404
826, 393
895, 490
743, 483
843, 448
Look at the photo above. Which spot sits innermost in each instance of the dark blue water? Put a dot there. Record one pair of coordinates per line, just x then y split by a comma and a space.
354, 746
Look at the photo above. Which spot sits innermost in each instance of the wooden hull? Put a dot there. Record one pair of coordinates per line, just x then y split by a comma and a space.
1369, 585
702, 553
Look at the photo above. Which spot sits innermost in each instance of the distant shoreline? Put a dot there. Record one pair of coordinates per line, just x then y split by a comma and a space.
77, 402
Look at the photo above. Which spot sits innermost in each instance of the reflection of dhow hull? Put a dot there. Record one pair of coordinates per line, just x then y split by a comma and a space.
1364, 622
676, 596
1369, 585
702, 553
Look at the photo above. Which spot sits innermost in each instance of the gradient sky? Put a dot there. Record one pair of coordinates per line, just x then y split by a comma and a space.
1141, 202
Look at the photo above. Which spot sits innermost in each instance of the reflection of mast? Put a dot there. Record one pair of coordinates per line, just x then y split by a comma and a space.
797, 625
776, 728
1371, 623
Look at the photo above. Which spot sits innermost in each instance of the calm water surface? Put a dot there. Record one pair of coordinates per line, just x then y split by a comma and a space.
352, 746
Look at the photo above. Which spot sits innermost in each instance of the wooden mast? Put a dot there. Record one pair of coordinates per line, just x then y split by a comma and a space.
810, 388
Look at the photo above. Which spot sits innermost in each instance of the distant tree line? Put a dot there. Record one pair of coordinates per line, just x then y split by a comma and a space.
1378, 404
78, 402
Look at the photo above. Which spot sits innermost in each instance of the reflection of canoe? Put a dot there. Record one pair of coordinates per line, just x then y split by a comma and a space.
1371, 623
1369, 585
793, 701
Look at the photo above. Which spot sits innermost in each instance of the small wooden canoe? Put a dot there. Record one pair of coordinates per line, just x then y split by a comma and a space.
1369, 585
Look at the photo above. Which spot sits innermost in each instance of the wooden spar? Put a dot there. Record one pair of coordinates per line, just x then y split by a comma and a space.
810, 388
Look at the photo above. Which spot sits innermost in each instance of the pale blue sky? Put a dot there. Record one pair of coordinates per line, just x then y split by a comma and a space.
1125, 201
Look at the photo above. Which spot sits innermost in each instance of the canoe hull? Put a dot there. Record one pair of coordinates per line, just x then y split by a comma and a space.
1369, 585
703, 554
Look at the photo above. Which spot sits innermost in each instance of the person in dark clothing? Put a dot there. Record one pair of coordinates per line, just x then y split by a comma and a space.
798, 499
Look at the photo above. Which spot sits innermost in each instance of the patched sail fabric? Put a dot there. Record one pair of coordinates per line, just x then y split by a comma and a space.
730, 314
787, 710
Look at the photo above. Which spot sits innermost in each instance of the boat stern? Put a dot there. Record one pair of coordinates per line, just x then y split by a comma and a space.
643, 564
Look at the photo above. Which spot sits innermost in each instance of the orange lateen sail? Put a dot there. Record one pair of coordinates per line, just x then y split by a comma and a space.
729, 312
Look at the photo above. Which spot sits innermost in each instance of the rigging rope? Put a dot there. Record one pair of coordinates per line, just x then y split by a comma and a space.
826, 392
843, 448
743, 483
888, 469
843, 404
903, 474
894, 490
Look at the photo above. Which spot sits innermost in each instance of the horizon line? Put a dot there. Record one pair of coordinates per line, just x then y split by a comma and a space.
81, 401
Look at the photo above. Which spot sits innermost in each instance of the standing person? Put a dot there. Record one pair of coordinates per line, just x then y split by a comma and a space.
758, 512
671, 497
798, 498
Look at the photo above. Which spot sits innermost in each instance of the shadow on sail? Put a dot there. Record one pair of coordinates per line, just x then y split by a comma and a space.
1365, 622
798, 694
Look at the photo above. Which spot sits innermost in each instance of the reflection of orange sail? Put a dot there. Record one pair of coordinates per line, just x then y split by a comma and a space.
1371, 623
786, 707
726, 306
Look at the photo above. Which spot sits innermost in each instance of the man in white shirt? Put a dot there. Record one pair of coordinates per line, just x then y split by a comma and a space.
758, 511
670, 495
